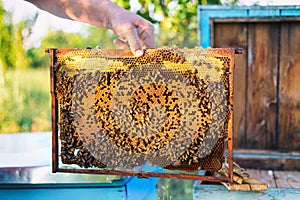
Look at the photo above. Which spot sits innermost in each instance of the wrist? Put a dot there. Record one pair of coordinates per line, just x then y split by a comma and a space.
111, 12
94, 12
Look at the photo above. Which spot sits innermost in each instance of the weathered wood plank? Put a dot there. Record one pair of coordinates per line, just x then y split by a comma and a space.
265, 176
287, 179
262, 83
261, 163
235, 35
267, 159
289, 92
255, 19
256, 124
208, 192
255, 184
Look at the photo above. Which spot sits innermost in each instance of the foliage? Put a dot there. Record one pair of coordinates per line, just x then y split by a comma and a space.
12, 54
6, 39
59, 39
25, 101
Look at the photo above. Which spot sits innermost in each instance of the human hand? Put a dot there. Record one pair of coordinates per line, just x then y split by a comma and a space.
135, 33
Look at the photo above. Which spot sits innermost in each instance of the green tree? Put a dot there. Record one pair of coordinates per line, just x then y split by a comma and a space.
12, 54
21, 31
7, 57
54, 39
93, 37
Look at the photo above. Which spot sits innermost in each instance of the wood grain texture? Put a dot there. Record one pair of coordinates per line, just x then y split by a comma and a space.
262, 83
266, 82
266, 159
235, 35
289, 90
264, 176
287, 179
208, 192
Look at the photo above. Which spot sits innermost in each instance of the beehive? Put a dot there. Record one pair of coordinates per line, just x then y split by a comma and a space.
170, 107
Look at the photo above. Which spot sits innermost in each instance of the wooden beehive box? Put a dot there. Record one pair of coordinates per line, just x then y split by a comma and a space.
267, 115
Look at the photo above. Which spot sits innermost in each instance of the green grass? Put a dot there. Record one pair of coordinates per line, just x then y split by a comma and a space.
174, 189
25, 101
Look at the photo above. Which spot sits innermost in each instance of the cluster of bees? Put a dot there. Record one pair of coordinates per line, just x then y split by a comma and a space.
168, 107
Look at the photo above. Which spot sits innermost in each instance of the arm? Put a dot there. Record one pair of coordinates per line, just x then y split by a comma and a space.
135, 32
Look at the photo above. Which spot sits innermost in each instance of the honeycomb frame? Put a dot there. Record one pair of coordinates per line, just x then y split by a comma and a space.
100, 168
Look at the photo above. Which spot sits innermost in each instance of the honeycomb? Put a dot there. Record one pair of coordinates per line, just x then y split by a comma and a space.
169, 107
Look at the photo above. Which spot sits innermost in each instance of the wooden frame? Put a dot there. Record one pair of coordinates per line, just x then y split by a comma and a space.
55, 131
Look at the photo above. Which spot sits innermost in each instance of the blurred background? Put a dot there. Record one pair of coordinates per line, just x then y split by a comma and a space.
24, 66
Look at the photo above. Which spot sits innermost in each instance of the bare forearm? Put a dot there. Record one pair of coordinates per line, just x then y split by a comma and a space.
134, 31
94, 12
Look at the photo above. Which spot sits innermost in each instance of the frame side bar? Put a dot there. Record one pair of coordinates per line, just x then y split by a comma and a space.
54, 110
230, 123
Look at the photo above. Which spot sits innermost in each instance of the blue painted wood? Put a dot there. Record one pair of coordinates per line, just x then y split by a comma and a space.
127, 189
259, 155
291, 13
142, 188
214, 11
208, 192
64, 193
263, 12
205, 13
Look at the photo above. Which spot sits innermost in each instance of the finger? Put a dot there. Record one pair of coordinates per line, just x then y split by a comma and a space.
134, 42
121, 44
147, 37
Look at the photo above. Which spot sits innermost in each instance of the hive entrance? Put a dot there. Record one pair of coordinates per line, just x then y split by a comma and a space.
168, 108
